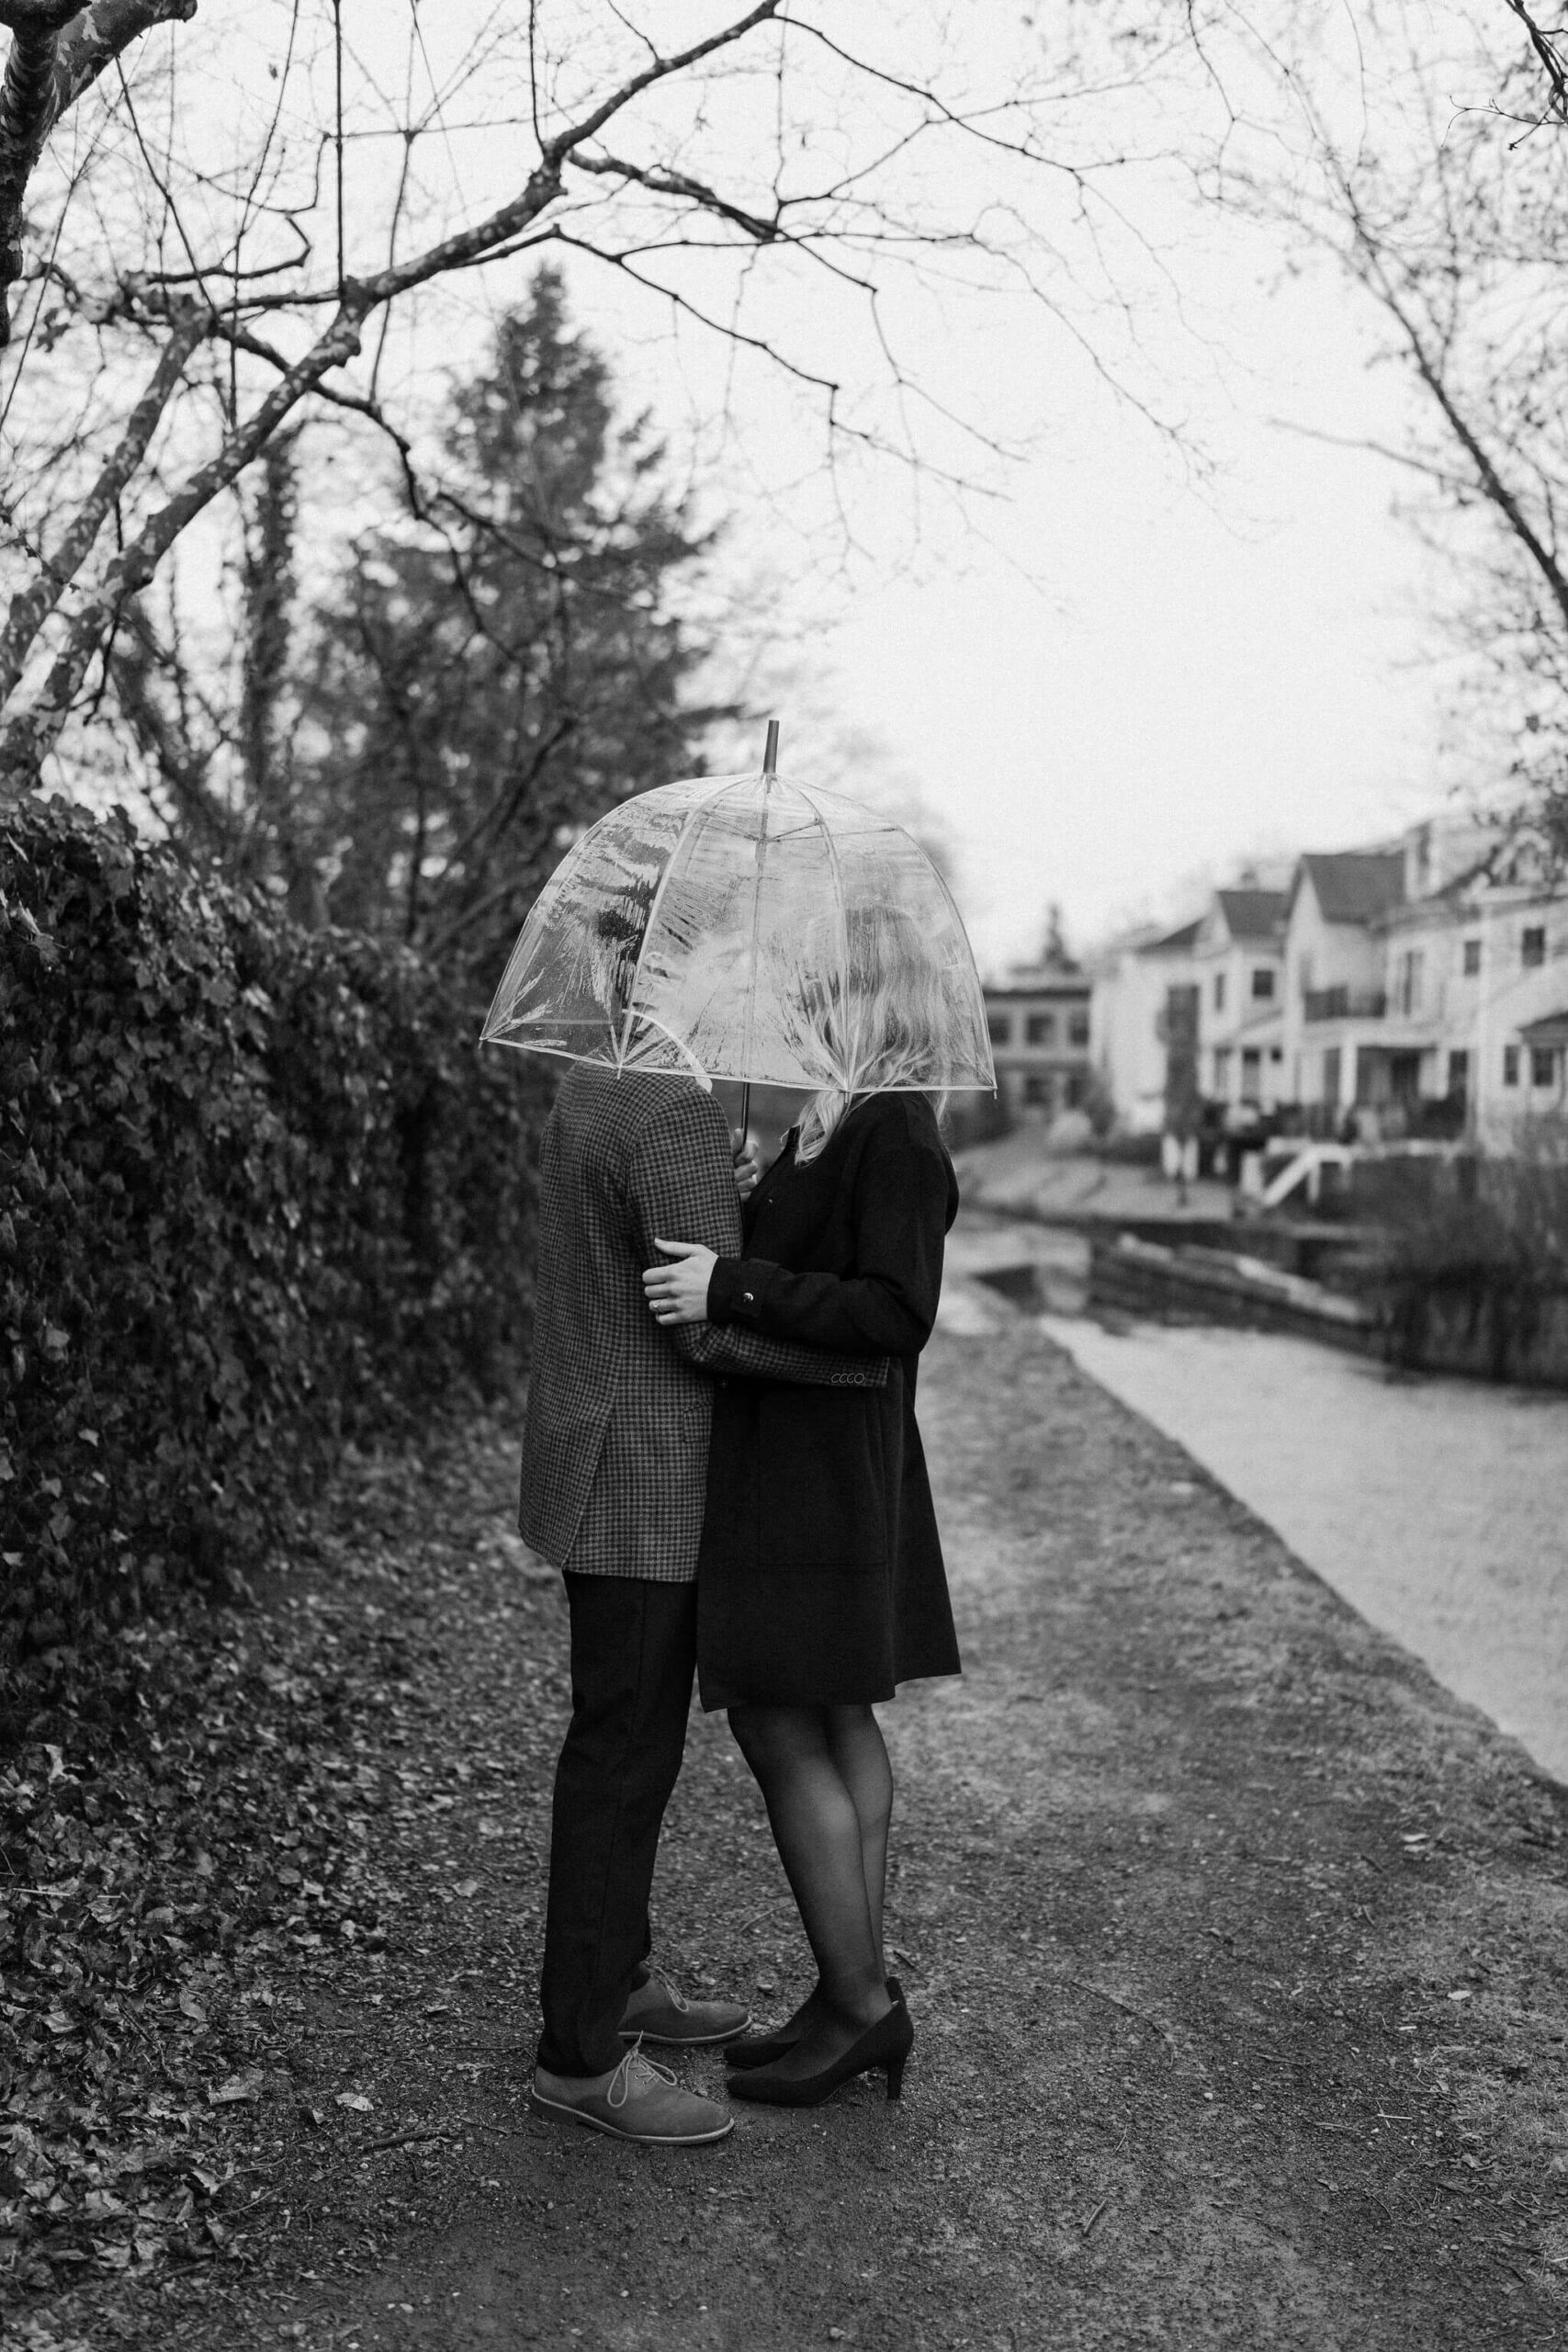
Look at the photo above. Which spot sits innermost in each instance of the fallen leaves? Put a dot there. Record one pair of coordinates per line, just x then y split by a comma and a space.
154, 1896
255, 1835
237, 2087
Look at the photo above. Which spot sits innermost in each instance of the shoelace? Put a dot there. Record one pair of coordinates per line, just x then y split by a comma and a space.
636, 2073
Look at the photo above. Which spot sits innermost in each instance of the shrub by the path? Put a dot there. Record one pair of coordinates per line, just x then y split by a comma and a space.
258, 1194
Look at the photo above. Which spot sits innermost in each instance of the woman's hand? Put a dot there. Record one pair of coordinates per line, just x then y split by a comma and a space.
748, 1162
679, 1293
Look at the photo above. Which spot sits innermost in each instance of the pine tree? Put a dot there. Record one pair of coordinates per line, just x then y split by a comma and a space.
507, 662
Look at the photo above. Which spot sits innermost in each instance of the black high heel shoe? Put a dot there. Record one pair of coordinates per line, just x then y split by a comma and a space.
886, 2044
762, 2049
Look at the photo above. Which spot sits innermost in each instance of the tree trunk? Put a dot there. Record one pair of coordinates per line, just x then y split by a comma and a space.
30, 607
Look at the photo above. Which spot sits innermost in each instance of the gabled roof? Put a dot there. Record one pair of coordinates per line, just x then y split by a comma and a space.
1253, 914
1354, 884
1172, 942
1550, 1030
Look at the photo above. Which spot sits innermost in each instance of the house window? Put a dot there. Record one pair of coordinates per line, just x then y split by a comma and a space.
1040, 1029
1544, 1066
1458, 1073
1219, 992
1407, 981
1331, 1075
1276, 1053
1471, 958
1251, 1073
999, 1027
1038, 1092
1532, 945
1077, 1087
1510, 1065
1077, 1029
1263, 983
1223, 1073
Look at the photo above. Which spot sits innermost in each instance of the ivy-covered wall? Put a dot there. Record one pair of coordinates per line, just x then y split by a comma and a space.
259, 1193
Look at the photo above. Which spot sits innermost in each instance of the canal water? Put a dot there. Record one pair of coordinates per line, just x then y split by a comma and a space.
1439, 1508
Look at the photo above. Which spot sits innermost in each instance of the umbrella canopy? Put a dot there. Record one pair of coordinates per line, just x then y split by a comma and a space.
745, 928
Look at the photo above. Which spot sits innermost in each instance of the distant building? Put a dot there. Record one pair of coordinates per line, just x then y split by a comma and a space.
1428, 988
1039, 1021
1130, 1020
1334, 968
1239, 961
1413, 987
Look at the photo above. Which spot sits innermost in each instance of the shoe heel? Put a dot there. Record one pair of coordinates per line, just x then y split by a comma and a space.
894, 2078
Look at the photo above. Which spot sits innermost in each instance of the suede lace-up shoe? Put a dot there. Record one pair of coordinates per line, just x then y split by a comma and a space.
655, 2012
639, 2099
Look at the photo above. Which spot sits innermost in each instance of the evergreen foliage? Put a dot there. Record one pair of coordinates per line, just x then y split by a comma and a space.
259, 1196
506, 662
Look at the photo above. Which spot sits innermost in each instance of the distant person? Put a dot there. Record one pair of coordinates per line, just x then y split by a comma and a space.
820, 1586
614, 1460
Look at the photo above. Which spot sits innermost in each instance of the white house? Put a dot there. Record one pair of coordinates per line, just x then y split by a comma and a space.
1334, 968
1419, 986
1507, 1012
1239, 960
1133, 979
1425, 986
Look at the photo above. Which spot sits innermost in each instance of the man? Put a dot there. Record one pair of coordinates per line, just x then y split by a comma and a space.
614, 1464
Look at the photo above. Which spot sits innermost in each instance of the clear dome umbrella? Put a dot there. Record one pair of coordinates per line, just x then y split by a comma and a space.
751, 928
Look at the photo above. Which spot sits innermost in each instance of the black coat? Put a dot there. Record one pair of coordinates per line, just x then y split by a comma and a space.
820, 1578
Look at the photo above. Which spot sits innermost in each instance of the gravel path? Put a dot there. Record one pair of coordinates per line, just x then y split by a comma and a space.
1236, 1946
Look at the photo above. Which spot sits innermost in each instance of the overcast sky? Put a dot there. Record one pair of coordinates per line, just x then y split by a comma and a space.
1122, 664
1206, 673
1127, 670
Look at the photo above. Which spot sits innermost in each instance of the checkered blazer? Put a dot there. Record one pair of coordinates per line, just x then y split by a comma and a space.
615, 1444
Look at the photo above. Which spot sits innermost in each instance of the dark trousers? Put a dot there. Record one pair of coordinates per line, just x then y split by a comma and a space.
632, 1655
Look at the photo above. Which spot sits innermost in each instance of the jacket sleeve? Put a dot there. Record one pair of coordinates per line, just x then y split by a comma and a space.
681, 1186
903, 1188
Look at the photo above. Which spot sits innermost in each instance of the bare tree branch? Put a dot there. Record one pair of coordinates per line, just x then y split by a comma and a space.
1429, 369
662, 183
259, 255
136, 659
1551, 55
31, 607
29, 736
57, 51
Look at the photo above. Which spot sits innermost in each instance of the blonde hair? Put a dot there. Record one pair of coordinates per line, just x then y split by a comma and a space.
888, 1030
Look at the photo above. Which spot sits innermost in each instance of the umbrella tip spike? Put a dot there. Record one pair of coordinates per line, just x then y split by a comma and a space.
771, 750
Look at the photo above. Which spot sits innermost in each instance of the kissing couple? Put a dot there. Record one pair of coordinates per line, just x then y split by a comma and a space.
720, 1455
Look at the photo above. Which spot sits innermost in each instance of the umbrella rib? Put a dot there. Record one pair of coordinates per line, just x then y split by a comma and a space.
756, 931
701, 1075
542, 907
838, 873
654, 904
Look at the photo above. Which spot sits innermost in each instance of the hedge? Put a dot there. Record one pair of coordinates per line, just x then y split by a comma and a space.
259, 1196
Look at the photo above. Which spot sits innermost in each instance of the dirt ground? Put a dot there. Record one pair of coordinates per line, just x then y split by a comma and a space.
1236, 1947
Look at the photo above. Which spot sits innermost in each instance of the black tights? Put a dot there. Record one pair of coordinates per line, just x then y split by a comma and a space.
828, 1786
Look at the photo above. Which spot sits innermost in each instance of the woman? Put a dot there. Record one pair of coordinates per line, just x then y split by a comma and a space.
821, 1584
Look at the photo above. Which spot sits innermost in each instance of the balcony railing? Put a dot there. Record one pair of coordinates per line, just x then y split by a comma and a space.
1346, 1004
